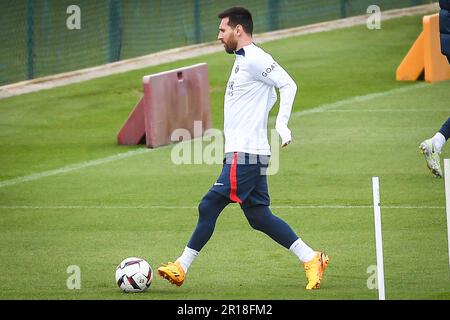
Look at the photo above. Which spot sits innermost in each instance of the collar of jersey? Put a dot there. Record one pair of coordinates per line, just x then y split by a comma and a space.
241, 51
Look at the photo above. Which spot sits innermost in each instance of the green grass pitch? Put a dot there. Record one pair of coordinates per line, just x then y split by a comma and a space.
96, 216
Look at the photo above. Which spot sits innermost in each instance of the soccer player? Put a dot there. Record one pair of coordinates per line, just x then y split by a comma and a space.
249, 96
444, 27
431, 148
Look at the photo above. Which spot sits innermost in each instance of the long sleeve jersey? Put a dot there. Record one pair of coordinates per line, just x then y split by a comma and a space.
249, 97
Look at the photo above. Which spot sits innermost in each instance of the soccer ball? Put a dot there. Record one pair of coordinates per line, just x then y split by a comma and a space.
134, 275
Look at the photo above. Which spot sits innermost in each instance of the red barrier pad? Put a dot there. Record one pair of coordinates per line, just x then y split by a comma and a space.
172, 100
133, 131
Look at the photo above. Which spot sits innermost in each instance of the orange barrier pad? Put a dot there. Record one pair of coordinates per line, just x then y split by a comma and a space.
425, 55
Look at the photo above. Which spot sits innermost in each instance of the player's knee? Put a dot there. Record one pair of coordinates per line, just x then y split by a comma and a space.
203, 208
211, 206
206, 207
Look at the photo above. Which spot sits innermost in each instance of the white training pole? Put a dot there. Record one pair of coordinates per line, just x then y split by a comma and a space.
378, 237
447, 201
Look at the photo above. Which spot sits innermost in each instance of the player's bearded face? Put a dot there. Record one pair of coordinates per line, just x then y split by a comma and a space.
230, 45
227, 36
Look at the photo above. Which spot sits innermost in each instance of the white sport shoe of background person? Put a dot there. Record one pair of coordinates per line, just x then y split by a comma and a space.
431, 148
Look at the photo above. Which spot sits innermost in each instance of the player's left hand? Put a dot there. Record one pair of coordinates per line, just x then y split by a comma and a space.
285, 134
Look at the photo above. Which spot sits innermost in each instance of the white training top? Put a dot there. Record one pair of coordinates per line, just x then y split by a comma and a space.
250, 95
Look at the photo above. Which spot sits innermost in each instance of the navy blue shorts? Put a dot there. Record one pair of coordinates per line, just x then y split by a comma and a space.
243, 179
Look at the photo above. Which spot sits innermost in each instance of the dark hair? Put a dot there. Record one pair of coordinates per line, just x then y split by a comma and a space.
238, 15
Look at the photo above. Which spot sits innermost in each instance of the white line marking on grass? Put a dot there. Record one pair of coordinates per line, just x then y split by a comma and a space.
387, 110
354, 207
357, 99
96, 207
86, 164
106, 207
72, 167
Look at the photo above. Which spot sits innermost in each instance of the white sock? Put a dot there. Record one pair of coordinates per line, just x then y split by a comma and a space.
187, 258
302, 250
438, 142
